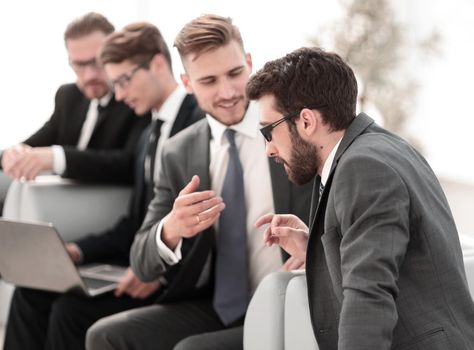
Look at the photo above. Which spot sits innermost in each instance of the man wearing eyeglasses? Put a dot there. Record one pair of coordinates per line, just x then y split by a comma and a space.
90, 136
384, 267
199, 230
138, 63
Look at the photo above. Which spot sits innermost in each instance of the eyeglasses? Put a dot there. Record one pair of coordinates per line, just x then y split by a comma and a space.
267, 130
123, 81
80, 66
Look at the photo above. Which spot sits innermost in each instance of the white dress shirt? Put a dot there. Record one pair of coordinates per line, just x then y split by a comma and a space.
167, 113
328, 163
258, 191
59, 156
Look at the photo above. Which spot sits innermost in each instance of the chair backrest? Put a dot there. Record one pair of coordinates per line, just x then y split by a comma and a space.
74, 209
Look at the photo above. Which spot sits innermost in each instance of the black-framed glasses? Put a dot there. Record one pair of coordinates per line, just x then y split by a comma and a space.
123, 81
80, 66
267, 130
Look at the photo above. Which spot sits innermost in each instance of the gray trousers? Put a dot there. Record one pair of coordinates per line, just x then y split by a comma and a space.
178, 326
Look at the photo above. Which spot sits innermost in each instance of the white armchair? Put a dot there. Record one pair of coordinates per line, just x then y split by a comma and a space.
278, 314
4, 184
74, 209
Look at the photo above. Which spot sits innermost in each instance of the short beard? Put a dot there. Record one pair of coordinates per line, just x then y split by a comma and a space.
304, 160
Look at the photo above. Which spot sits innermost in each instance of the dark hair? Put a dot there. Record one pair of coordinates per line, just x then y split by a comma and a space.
87, 24
206, 33
309, 78
137, 42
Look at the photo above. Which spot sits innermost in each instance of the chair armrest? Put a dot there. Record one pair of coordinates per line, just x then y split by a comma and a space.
298, 330
467, 244
469, 267
4, 184
264, 321
74, 209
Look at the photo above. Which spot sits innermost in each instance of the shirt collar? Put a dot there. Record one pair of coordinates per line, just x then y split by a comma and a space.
248, 126
104, 100
170, 108
328, 163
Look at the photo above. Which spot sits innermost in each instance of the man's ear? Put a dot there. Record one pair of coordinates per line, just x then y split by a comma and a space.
309, 121
248, 59
186, 83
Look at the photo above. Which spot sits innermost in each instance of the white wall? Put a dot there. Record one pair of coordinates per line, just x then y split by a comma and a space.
461, 200
34, 61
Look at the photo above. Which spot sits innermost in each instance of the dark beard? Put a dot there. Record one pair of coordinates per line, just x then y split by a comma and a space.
304, 160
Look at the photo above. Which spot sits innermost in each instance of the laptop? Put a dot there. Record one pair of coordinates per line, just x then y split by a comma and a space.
33, 255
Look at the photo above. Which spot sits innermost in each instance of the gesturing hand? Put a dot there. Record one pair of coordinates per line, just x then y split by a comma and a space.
192, 213
288, 231
26, 162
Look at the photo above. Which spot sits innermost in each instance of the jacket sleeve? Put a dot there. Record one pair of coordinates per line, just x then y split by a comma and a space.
112, 245
107, 165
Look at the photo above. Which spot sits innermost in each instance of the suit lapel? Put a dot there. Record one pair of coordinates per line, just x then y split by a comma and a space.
199, 157
323, 302
182, 116
357, 127
77, 120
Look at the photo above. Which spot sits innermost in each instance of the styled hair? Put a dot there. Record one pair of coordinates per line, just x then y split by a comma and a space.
206, 33
137, 42
309, 78
87, 24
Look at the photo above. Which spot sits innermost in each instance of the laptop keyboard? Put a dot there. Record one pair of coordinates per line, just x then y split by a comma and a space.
93, 283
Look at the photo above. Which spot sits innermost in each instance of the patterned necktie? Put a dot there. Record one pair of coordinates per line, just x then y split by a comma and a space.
150, 157
231, 293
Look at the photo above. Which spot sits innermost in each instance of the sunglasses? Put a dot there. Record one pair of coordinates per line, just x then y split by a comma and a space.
267, 130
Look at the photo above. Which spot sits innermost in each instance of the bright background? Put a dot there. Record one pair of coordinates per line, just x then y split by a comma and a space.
33, 59
33, 63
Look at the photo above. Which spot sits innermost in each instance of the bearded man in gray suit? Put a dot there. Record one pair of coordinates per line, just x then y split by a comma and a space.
384, 265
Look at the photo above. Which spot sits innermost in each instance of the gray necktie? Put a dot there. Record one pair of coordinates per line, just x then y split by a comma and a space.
231, 293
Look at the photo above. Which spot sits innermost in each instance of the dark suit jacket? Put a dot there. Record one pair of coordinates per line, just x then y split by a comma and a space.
184, 156
384, 264
114, 244
109, 154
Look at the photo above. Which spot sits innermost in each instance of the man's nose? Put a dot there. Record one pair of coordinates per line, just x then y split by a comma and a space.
226, 90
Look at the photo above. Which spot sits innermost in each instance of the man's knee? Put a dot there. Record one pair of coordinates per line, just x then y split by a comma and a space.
104, 334
189, 343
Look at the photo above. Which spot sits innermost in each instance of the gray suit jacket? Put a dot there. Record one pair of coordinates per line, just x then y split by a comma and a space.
183, 156
384, 263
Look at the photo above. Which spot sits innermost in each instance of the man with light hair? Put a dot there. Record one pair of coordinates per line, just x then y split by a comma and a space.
215, 181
